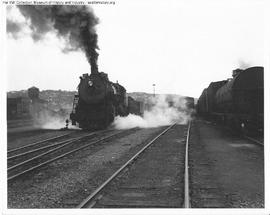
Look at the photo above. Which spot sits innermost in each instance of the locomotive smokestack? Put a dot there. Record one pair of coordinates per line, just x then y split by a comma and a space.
74, 24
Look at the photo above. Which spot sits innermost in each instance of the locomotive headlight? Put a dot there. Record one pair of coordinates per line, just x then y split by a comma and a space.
90, 83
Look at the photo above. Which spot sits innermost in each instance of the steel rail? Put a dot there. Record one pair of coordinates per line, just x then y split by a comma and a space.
187, 199
35, 143
38, 149
63, 155
50, 151
254, 140
92, 196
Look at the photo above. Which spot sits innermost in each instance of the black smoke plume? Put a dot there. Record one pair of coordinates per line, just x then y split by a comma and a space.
76, 24
13, 28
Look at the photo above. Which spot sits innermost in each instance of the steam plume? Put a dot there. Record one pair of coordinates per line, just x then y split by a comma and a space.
243, 64
76, 24
49, 119
165, 111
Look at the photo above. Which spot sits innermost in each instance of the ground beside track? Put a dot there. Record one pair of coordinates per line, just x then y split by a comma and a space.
155, 179
226, 170
65, 183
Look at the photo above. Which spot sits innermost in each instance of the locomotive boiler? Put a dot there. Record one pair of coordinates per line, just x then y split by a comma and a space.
238, 102
98, 101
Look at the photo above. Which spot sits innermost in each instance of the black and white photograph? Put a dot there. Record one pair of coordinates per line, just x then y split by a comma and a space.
150, 107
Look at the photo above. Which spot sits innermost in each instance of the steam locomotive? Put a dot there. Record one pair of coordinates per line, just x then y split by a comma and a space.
98, 102
237, 102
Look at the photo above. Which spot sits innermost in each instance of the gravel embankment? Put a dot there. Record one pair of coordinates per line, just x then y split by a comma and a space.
226, 170
65, 183
155, 179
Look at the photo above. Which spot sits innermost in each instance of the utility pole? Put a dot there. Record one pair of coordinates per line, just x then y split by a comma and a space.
154, 90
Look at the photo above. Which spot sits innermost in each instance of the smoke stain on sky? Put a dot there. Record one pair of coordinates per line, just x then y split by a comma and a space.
75, 24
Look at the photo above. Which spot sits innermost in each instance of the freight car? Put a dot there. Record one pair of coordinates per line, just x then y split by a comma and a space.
190, 106
237, 102
18, 108
27, 108
135, 107
189, 103
23, 105
98, 101
206, 104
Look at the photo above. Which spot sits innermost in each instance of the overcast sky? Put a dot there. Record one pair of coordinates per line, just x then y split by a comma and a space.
181, 46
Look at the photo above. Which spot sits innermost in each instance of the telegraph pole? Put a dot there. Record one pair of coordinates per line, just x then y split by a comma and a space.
154, 90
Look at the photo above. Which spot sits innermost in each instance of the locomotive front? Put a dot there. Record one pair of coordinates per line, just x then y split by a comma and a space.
98, 101
92, 105
95, 88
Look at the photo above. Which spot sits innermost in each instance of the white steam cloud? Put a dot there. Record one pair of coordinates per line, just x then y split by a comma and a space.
47, 119
51, 122
165, 110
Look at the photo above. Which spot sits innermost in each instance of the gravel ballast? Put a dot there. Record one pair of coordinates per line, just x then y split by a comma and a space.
227, 171
66, 182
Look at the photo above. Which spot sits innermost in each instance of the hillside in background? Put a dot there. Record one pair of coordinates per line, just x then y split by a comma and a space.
56, 99
61, 99
144, 97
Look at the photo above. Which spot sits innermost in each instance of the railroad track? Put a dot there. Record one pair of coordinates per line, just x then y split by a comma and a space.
38, 144
187, 199
37, 155
43, 147
106, 188
258, 142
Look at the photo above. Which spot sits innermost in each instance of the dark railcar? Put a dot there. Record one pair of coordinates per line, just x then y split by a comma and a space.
207, 103
27, 108
202, 104
241, 99
242, 94
18, 108
135, 107
189, 102
237, 101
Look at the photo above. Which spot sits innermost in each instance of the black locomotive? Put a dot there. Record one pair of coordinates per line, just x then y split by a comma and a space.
238, 101
98, 102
